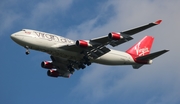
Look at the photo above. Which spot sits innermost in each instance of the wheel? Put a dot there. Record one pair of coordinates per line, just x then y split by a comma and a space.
71, 70
89, 63
27, 53
83, 66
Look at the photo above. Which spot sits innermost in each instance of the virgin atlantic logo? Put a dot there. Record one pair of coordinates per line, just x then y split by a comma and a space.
141, 51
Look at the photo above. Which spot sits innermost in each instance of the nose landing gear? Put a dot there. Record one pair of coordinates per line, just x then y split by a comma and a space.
27, 50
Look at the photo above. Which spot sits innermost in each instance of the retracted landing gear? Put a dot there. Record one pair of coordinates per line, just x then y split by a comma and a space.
27, 50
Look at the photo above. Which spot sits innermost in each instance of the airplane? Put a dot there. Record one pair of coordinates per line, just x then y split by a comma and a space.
68, 55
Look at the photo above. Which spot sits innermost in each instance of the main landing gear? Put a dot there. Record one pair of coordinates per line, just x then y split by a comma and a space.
71, 69
82, 66
27, 50
86, 61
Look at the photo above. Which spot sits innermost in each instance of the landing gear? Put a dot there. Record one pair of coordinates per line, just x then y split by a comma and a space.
79, 64
27, 50
86, 61
82, 66
89, 63
71, 70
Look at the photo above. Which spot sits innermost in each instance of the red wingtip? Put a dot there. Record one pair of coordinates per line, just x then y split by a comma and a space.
158, 22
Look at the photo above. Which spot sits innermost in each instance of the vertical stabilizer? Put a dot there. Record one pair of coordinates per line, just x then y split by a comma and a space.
140, 52
141, 48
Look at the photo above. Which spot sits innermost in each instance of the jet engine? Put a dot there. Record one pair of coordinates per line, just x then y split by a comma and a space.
47, 65
52, 73
82, 43
114, 36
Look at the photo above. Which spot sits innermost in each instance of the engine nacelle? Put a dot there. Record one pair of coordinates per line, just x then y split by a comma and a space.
82, 43
52, 73
115, 36
47, 65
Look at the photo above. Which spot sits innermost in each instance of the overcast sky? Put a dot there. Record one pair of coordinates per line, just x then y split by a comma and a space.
23, 81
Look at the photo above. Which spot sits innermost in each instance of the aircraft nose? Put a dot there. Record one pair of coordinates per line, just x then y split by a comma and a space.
17, 38
13, 36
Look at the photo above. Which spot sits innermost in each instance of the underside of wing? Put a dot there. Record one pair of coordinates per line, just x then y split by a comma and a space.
67, 66
60, 65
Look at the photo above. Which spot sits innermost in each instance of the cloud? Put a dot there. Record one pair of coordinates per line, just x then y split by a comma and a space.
36, 14
47, 9
8, 17
157, 83
7, 21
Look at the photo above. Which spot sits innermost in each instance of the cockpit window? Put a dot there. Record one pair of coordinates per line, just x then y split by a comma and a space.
26, 31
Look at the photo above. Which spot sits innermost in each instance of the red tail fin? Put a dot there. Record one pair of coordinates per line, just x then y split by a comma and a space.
141, 48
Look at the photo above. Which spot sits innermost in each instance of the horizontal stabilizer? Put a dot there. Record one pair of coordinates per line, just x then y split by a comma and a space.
148, 57
152, 55
137, 66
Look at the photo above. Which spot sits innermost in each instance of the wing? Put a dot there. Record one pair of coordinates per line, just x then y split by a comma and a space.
126, 35
92, 52
96, 47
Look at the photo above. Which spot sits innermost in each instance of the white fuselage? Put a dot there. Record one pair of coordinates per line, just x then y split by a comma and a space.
51, 44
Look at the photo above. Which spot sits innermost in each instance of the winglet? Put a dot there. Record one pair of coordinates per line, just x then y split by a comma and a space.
158, 22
